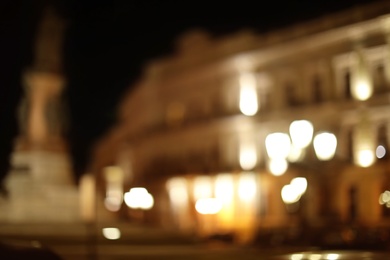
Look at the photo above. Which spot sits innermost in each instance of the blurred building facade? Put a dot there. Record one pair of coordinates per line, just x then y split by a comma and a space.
195, 128
40, 184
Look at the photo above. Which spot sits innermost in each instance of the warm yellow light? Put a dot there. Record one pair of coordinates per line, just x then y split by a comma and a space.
362, 90
384, 198
247, 187
202, 187
224, 188
278, 145
248, 156
299, 184
139, 198
289, 194
277, 166
365, 158
248, 95
332, 256
114, 188
325, 146
208, 206
177, 190
292, 192
315, 257
297, 257
296, 154
301, 132
361, 80
111, 233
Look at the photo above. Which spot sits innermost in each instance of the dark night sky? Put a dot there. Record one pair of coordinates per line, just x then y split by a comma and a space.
108, 43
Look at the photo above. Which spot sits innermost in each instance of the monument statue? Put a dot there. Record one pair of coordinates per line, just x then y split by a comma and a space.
40, 185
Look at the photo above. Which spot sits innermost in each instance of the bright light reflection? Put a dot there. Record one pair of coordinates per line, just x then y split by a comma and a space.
325, 146
112, 203
208, 206
292, 192
380, 151
202, 187
224, 188
299, 184
365, 158
278, 145
301, 132
247, 187
248, 95
139, 198
248, 156
297, 257
277, 166
296, 154
177, 190
384, 198
363, 90
111, 233
332, 256
315, 257
289, 194
361, 81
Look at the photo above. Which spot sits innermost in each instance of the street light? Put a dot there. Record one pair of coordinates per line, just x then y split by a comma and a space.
325, 145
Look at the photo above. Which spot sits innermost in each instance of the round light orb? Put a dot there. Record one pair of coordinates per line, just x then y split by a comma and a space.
301, 132
299, 184
380, 151
289, 194
277, 166
278, 145
325, 145
365, 158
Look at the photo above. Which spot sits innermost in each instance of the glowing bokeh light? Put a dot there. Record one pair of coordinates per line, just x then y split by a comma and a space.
301, 132
224, 188
297, 257
296, 154
365, 158
277, 166
208, 206
299, 184
325, 145
247, 187
178, 192
332, 256
111, 233
202, 187
380, 151
278, 145
248, 95
248, 156
289, 194
139, 198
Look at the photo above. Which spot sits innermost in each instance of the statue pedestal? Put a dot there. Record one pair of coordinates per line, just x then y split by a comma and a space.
40, 189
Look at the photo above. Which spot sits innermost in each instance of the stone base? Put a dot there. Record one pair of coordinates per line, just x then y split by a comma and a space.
40, 190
